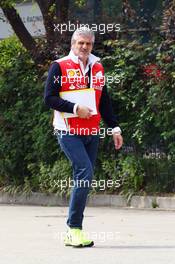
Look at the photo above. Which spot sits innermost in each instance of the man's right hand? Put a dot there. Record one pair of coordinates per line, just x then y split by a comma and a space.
84, 111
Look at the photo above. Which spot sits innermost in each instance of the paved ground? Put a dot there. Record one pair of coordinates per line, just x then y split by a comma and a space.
33, 235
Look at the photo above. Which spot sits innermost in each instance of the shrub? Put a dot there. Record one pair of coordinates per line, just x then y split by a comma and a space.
25, 135
55, 179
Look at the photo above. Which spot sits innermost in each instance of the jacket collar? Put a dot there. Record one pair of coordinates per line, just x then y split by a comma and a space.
92, 59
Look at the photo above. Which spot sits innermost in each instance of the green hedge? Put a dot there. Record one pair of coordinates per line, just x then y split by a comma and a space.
26, 132
145, 102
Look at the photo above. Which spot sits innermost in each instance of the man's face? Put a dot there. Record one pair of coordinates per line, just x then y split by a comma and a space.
82, 47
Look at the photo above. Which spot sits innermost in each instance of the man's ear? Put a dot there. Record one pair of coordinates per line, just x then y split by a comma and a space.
72, 46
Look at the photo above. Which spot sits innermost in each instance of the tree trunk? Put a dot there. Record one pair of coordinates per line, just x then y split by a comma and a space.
62, 10
48, 20
98, 11
19, 28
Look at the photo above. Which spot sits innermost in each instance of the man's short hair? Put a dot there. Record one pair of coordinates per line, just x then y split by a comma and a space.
83, 31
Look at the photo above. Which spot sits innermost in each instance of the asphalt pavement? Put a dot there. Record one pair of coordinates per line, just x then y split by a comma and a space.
34, 235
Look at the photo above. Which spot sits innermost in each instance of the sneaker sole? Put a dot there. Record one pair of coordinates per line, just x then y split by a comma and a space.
82, 246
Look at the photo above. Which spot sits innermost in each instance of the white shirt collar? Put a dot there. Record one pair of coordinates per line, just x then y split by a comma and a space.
92, 59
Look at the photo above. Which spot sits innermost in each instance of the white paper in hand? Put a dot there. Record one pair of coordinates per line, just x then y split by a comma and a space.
84, 97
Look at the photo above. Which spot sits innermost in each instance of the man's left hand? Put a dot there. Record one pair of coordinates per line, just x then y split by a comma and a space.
118, 140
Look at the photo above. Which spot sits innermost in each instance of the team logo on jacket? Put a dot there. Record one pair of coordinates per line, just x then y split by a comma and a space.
98, 78
73, 73
99, 74
72, 87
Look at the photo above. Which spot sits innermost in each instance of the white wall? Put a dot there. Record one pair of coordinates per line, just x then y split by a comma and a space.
31, 16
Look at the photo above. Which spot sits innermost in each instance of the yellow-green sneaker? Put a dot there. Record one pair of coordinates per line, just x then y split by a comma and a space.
76, 237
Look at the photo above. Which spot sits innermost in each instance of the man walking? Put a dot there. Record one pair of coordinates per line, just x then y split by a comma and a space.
79, 71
